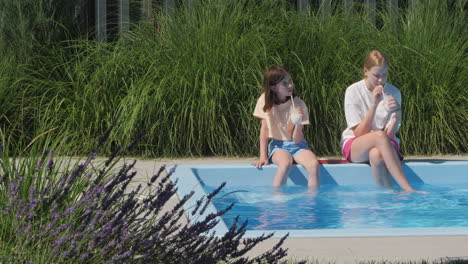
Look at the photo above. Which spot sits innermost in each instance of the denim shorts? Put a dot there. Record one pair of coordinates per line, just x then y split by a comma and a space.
287, 145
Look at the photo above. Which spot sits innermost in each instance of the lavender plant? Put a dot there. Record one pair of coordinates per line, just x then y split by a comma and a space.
44, 219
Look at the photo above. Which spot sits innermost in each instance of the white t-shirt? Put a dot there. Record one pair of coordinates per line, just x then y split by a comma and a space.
278, 117
357, 103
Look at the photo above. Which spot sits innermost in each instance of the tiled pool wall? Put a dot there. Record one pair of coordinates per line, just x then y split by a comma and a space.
194, 177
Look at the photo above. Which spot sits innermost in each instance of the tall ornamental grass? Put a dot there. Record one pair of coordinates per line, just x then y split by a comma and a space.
191, 80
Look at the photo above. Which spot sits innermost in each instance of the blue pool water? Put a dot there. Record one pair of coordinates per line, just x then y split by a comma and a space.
341, 207
347, 204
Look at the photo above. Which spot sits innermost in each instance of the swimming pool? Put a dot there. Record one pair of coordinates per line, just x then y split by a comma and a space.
348, 203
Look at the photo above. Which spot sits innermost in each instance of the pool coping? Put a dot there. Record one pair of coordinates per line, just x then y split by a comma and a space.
191, 183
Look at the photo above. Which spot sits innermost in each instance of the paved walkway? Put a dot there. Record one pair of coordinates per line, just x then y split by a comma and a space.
343, 250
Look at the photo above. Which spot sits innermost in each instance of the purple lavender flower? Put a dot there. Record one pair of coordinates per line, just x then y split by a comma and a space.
70, 210
111, 224
50, 162
60, 241
85, 256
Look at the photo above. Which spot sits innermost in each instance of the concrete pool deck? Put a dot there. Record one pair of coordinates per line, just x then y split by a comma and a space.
341, 249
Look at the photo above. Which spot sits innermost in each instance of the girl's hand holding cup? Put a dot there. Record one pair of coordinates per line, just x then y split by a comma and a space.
296, 115
390, 103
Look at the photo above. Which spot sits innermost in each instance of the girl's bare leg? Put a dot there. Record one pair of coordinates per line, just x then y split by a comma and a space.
284, 161
308, 159
379, 169
362, 146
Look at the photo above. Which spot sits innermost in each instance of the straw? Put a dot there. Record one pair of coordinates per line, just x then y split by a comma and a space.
292, 100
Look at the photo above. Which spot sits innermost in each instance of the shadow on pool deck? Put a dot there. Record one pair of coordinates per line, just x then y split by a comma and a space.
343, 250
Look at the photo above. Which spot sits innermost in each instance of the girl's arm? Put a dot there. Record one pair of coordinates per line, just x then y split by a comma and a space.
263, 146
298, 134
264, 141
365, 125
393, 126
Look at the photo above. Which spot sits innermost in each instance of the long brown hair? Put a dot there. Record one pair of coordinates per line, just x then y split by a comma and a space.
272, 77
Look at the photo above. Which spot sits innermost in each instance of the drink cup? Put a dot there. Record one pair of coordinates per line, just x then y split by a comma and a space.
386, 98
296, 119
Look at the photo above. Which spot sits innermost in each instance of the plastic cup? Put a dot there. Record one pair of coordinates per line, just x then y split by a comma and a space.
296, 119
386, 98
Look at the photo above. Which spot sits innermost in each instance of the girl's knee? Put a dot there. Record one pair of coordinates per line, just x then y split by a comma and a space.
284, 167
311, 164
285, 162
375, 157
315, 163
381, 136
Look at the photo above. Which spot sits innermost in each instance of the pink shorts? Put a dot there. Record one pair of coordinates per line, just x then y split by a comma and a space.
347, 149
